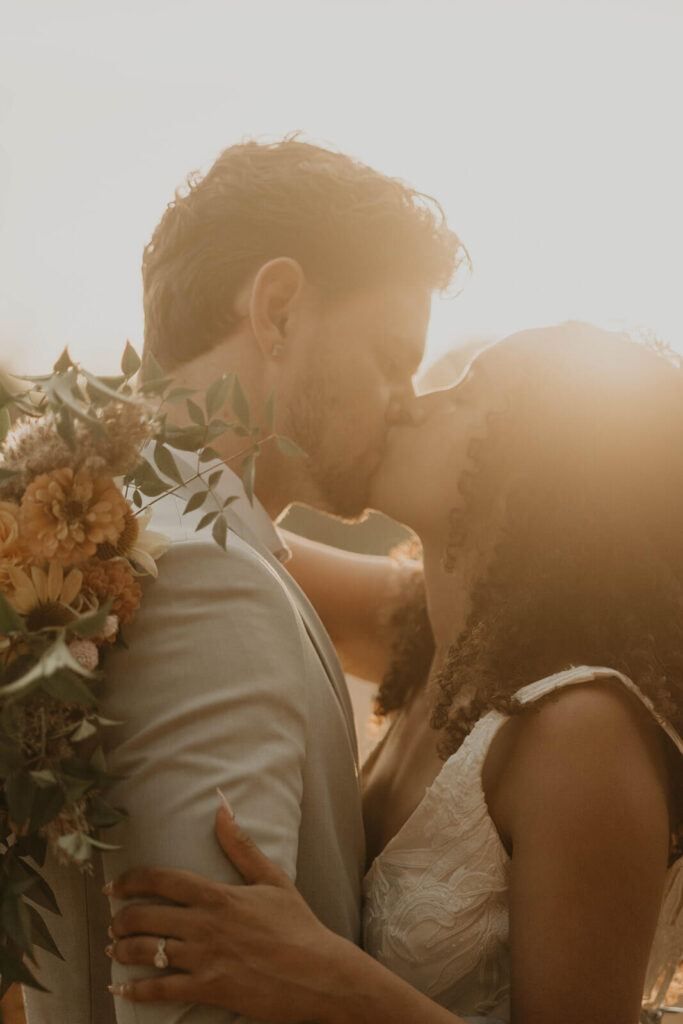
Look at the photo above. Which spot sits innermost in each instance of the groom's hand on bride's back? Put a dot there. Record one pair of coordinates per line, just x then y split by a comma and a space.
246, 948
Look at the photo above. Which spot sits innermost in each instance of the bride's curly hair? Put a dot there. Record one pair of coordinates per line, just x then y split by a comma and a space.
580, 479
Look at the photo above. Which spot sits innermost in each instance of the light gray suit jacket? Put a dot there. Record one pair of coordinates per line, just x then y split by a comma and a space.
229, 680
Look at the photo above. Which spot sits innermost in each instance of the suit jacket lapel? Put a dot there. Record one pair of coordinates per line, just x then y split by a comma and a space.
314, 627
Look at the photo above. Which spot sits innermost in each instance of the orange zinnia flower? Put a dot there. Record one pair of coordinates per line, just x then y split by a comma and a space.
66, 514
113, 579
10, 549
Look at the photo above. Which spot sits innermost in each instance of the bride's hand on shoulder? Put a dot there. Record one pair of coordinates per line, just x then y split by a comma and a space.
250, 948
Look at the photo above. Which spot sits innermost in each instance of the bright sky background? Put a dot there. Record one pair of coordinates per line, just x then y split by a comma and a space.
550, 131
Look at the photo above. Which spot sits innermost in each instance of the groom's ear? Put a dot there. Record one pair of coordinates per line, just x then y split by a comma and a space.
276, 290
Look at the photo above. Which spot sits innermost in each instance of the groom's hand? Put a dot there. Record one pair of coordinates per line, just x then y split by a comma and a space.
251, 949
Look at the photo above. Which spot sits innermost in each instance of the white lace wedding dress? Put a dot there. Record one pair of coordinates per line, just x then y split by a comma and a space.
436, 897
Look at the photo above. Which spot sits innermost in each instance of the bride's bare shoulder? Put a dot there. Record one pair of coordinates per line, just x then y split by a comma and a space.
585, 748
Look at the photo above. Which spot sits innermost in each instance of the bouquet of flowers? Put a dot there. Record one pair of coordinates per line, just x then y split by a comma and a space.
82, 460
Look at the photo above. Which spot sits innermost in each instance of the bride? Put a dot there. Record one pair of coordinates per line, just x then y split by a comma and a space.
524, 810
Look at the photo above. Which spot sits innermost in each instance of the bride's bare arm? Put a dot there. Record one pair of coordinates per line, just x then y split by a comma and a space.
353, 595
582, 804
256, 949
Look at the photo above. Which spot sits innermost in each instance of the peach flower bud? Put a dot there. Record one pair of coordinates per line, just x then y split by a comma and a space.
85, 652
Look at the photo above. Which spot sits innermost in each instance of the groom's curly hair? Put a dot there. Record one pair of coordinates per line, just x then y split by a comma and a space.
588, 563
348, 226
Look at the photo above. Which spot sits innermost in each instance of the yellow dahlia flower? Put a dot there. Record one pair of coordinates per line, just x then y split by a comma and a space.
65, 515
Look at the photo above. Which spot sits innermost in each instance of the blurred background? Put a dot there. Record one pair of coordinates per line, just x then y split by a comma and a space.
549, 131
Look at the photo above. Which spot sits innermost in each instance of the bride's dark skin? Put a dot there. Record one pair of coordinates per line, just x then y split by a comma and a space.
578, 792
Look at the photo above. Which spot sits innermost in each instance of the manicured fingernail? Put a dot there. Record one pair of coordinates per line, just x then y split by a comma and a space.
109, 951
224, 802
117, 990
110, 932
108, 888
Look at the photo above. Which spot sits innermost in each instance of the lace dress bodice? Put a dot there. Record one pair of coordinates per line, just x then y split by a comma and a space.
436, 897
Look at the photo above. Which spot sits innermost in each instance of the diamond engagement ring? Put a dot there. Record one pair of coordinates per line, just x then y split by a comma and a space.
160, 958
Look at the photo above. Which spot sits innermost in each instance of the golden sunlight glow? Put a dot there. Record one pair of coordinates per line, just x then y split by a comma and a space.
548, 130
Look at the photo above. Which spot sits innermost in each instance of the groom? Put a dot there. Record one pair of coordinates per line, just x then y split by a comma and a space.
310, 276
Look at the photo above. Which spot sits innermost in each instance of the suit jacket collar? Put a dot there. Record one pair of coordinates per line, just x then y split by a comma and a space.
316, 631
254, 526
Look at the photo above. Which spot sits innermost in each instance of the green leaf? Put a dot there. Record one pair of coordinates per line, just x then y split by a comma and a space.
40, 935
103, 815
195, 413
216, 429
83, 731
12, 969
100, 845
16, 921
219, 531
63, 390
56, 660
91, 624
66, 686
98, 385
64, 362
269, 412
151, 371
11, 756
208, 454
6, 397
215, 477
148, 482
39, 891
229, 501
249, 475
10, 622
167, 463
65, 426
241, 431
216, 395
44, 778
289, 447
179, 395
74, 787
5, 423
46, 806
239, 402
157, 386
196, 501
20, 790
107, 721
205, 520
185, 439
130, 361
137, 498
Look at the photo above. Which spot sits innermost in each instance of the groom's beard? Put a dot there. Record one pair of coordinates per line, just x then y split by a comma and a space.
341, 479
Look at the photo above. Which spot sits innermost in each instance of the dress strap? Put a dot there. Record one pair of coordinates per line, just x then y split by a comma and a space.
586, 674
